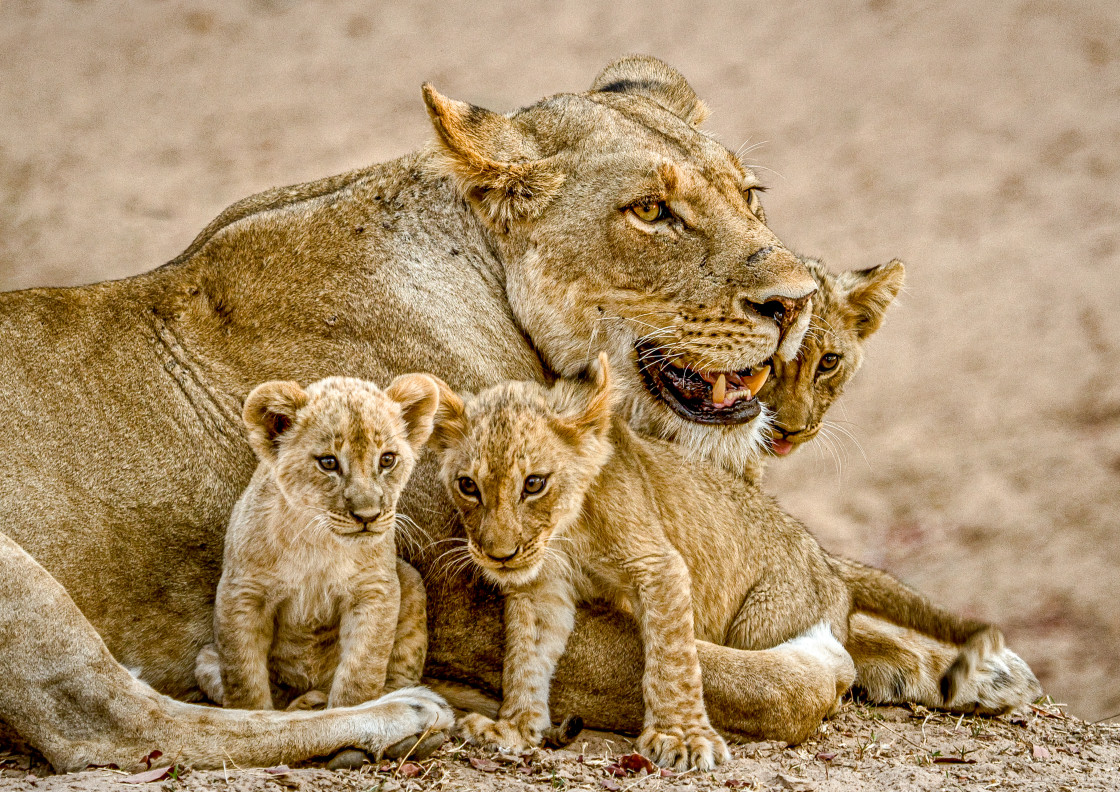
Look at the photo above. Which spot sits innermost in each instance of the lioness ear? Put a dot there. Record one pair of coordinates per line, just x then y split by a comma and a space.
870, 292
647, 76
418, 396
450, 419
493, 162
595, 416
270, 410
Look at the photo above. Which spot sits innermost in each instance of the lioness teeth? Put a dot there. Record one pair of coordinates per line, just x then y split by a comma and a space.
755, 381
719, 390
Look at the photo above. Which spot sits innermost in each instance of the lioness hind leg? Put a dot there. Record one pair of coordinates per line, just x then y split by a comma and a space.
899, 665
410, 647
61, 689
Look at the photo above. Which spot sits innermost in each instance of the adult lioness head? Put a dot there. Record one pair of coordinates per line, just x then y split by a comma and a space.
627, 230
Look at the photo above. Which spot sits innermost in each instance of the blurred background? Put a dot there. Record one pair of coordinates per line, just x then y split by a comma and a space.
978, 142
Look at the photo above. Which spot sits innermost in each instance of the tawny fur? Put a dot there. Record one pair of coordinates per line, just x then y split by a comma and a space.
692, 552
309, 603
121, 400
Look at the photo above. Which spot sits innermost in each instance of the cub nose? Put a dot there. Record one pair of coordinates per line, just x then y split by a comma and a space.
783, 310
499, 553
364, 509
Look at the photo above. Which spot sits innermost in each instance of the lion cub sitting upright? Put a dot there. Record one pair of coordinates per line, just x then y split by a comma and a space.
313, 599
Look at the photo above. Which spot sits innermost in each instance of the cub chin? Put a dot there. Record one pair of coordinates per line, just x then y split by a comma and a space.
562, 501
313, 606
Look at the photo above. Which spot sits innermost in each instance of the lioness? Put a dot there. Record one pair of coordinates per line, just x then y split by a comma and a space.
515, 246
310, 598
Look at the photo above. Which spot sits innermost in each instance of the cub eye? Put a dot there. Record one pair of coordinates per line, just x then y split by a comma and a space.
388, 459
534, 484
467, 487
650, 211
828, 362
328, 463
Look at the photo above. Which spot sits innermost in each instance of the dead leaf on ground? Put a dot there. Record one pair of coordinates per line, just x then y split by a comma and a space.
485, 765
609, 784
635, 762
1040, 752
410, 770
158, 774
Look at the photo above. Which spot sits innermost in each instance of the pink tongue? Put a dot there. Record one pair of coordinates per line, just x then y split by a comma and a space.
781, 447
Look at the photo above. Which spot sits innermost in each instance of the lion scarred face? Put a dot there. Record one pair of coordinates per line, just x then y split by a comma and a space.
627, 230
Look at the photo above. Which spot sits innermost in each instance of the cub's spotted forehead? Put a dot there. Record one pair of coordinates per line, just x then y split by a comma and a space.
351, 411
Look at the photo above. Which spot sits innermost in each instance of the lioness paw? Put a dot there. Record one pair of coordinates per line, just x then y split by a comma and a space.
990, 685
699, 748
409, 711
505, 735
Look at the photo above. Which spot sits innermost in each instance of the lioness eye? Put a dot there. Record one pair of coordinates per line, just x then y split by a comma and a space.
534, 484
828, 362
650, 212
328, 463
467, 486
388, 459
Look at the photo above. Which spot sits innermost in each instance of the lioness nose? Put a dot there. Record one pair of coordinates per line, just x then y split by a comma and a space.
783, 310
365, 515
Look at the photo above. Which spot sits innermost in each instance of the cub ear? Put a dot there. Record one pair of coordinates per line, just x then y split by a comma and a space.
654, 79
494, 163
870, 292
418, 396
450, 418
595, 415
270, 410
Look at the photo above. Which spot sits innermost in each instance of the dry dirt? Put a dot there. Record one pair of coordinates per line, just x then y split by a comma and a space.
978, 453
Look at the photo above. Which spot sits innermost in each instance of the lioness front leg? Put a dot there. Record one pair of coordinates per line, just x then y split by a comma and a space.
366, 633
676, 732
539, 619
61, 689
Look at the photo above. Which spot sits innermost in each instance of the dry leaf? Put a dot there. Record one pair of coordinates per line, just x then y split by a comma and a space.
953, 760
485, 765
158, 774
609, 784
1040, 752
826, 757
635, 762
410, 770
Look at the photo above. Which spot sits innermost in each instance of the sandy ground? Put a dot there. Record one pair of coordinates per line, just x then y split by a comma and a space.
977, 454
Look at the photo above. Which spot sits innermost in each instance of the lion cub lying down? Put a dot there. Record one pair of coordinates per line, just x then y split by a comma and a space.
562, 501
313, 601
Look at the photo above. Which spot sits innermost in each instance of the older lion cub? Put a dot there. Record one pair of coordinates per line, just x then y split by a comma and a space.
312, 597
562, 501
847, 309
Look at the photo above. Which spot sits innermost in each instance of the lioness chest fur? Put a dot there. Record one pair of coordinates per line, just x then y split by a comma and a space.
313, 602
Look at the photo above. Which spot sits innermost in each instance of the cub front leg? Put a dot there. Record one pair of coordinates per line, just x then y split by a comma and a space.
539, 619
410, 646
676, 732
366, 632
244, 620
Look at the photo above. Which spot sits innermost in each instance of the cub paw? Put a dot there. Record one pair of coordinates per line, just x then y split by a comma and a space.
699, 748
505, 735
311, 700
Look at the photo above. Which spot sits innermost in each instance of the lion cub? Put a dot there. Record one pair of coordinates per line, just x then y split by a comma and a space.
312, 598
847, 309
562, 501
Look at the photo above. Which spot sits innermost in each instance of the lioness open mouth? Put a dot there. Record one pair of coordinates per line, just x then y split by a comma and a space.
702, 396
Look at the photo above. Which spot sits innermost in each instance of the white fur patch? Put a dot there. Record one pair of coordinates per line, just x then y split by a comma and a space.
818, 642
136, 671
